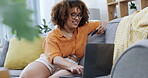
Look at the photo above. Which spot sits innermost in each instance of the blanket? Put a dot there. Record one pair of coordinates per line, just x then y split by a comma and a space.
131, 29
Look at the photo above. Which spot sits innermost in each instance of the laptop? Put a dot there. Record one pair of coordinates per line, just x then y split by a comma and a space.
98, 61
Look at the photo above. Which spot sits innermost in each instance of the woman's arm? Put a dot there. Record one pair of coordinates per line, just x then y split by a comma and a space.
64, 64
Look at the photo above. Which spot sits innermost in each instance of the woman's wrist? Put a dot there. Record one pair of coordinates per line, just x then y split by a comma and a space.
62, 63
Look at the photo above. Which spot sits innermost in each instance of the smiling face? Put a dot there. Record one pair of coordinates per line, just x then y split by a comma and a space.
74, 18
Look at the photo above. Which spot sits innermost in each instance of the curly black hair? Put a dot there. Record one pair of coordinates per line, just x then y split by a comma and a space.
60, 12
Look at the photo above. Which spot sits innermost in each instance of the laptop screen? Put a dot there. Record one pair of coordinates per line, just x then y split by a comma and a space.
98, 60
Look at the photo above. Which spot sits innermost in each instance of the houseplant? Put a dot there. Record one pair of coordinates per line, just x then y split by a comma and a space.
133, 8
43, 28
15, 15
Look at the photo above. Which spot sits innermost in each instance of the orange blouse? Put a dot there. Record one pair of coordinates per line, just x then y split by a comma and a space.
56, 44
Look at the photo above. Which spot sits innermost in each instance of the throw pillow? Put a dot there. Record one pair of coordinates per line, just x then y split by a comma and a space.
22, 52
3, 53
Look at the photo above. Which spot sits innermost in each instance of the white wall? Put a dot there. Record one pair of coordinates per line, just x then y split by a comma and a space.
46, 6
103, 10
99, 4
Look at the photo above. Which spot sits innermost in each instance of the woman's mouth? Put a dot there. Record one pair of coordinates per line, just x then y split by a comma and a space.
75, 23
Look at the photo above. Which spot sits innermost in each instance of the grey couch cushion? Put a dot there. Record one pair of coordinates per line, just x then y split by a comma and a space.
3, 53
96, 38
133, 62
111, 30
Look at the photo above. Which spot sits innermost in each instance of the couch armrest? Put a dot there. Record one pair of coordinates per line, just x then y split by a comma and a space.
133, 62
15, 73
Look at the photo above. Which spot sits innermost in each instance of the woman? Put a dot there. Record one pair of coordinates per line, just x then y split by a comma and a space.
64, 46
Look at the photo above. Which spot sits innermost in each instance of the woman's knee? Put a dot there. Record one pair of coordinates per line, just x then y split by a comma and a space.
35, 70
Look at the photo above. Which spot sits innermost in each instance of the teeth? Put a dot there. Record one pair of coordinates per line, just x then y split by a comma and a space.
75, 22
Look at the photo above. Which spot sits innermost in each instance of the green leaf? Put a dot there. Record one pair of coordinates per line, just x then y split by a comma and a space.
132, 5
18, 0
18, 18
2, 3
44, 21
39, 27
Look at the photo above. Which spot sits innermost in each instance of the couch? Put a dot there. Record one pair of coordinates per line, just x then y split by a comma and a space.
133, 62
108, 37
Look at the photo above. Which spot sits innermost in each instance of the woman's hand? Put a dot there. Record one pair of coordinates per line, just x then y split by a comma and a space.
101, 28
76, 69
64, 64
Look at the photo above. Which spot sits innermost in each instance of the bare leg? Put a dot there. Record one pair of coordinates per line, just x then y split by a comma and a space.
35, 70
61, 72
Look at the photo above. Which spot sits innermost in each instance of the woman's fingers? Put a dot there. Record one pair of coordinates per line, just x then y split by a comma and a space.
77, 69
81, 69
101, 28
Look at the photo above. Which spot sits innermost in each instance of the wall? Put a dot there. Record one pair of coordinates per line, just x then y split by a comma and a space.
45, 8
99, 4
46, 5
